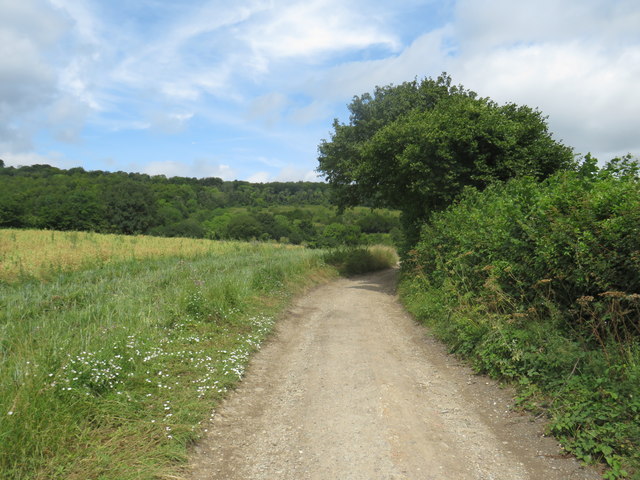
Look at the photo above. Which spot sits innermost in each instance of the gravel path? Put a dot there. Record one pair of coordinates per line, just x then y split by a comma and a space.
351, 387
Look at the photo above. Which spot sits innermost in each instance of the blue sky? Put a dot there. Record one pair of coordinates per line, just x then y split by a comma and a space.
247, 89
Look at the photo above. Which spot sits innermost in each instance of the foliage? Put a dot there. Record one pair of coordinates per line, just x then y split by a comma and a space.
571, 240
337, 234
415, 146
377, 222
243, 226
41, 196
355, 261
109, 369
539, 284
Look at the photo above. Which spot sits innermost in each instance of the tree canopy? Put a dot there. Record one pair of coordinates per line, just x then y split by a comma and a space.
415, 146
42, 196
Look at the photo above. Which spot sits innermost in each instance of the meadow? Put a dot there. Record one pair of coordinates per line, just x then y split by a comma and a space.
114, 350
42, 254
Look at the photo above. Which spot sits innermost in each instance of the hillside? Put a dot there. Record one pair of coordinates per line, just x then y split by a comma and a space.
45, 197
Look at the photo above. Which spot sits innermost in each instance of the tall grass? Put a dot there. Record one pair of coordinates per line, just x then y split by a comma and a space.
40, 254
111, 371
358, 260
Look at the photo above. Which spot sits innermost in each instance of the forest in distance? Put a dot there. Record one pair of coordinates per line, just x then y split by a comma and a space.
46, 197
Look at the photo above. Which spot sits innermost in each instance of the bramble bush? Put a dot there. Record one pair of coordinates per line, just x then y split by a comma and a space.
539, 284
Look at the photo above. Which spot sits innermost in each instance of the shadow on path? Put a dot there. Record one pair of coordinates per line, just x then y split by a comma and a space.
385, 281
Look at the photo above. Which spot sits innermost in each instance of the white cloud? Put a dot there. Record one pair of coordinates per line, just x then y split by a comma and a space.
312, 112
86, 24
487, 24
426, 54
14, 139
27, 80
32, 20
39, 64
191, 56
578, 61
272, 163
288, 173
589, 95
168, 168
274, 70
55, 159
76, 79
67, 118
200, 168
169, 123
212, 49
316, 27
291, 174
259, 177
268, 108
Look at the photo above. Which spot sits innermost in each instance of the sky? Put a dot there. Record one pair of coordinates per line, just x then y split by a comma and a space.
247, 89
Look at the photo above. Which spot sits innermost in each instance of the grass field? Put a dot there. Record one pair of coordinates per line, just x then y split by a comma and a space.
42, 254
114, 350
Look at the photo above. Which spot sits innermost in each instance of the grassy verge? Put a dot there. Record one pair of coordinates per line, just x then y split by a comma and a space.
589, 395
358, 260
111, 371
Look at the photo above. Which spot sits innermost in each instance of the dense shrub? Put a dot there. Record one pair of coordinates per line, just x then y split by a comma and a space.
354, 261
539, 284
572, 242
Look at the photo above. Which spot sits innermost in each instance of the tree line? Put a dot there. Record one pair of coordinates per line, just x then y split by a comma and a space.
46, 197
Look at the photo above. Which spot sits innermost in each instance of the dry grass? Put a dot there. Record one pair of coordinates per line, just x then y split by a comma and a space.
39, 253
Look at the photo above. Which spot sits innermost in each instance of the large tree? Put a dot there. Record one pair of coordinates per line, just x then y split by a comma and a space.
415, 146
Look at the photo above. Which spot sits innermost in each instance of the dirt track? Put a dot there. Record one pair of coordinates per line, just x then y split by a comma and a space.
351, 388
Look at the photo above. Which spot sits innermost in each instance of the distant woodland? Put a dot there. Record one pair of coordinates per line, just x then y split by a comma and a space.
46, 197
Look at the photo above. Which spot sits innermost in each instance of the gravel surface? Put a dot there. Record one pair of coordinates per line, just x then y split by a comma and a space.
350, 387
